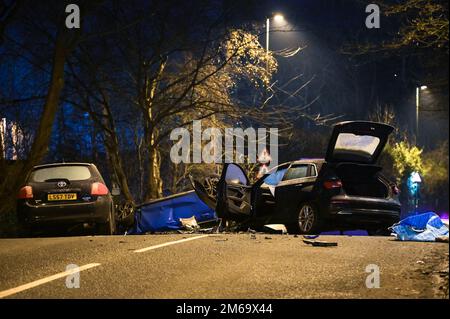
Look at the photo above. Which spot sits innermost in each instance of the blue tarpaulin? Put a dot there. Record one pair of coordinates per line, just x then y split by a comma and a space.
422, 227
164, 214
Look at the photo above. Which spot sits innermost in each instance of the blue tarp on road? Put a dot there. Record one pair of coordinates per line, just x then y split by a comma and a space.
164, 214
422, 227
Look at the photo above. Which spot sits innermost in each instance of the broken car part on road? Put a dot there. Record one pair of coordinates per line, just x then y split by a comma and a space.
318, 243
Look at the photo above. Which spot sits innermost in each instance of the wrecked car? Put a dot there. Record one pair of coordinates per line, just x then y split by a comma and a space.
345, 190
168, 213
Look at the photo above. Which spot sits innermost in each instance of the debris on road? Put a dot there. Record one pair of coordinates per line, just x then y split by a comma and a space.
276, 228
209, 230
223, 239
267, 237
310, 236
427, 227
442, 239
189, 223
320, 243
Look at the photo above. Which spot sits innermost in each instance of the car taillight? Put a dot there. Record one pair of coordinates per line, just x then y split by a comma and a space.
25, 192
332, 184
99, 189
395, 189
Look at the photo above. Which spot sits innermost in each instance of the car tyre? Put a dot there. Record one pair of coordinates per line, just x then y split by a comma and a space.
306, 220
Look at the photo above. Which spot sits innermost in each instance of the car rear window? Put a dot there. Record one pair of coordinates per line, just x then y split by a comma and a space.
72, 173
358, 144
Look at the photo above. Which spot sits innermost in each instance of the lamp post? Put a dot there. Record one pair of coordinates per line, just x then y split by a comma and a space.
278, 18
418, 89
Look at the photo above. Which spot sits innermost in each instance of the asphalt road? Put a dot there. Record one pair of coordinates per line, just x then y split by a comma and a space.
221, 266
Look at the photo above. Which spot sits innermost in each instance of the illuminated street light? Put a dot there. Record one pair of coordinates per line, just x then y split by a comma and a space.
278, 18
418, 89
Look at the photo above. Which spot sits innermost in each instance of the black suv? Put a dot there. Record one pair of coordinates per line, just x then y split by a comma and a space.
65, 194
344, 190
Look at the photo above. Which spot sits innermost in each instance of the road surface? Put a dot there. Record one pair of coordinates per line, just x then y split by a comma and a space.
221, 266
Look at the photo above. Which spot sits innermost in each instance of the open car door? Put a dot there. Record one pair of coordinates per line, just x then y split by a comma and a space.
357, 142
206, 191
233, 193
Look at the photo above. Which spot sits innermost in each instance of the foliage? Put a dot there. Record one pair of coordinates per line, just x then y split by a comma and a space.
435, 163
249, 57
426, 23
407, 158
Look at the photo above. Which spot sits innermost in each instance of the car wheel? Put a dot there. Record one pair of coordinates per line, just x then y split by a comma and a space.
307, 219
125, 214
109, 227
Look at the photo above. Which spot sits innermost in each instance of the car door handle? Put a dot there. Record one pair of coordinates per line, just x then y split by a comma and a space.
298, 185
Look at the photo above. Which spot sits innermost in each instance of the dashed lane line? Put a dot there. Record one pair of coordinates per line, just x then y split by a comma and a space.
12, 291
168, 243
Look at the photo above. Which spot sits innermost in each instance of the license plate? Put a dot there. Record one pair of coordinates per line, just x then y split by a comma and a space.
67, 196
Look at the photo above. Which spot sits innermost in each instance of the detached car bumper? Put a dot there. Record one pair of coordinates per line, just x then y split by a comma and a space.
364, 211
65, 214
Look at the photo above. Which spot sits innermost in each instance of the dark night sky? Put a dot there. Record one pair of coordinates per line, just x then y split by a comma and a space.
323, 27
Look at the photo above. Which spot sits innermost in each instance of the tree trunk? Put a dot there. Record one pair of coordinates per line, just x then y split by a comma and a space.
116, 162
154, 185
13, 181
112, 147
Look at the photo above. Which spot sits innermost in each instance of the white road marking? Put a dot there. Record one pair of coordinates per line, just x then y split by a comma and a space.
168, 244
12, 291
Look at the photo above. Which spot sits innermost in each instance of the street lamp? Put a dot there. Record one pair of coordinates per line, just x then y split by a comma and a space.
418, 89
277, 18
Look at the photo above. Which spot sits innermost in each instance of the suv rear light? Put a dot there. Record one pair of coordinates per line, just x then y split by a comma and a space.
99, 189
395, 189
332, 184
25, 192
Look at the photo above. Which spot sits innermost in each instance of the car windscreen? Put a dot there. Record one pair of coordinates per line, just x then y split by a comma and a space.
69, 172
360, 145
